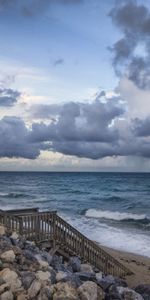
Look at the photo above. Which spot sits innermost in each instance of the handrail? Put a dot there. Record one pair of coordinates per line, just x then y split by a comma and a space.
41, 226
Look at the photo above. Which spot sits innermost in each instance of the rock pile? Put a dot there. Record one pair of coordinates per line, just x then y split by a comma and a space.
26, 272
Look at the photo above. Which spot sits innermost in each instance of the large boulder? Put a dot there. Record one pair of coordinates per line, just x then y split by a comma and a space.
46, 293
84, 276
27, 278
86, 268
8, 256
43, 276
8, 295
144, 290
75, 263
71, 278
11, 278
2, 230
65, 291
5, 243
4, 287
60, 276
128, 294
34, 289
90, 291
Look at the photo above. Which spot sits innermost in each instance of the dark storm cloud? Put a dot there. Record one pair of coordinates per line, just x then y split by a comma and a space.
14, 139
77, 129
8, 97
141, 127
73, 121
132, 51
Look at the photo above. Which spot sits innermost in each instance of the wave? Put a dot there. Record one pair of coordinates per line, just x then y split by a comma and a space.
113, 215
13, 195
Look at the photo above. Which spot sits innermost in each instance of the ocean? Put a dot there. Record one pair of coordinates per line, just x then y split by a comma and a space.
110, 208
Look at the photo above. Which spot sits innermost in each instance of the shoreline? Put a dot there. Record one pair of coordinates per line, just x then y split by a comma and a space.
139, 264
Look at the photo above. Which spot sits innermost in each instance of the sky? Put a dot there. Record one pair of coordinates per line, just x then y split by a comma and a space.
75, 85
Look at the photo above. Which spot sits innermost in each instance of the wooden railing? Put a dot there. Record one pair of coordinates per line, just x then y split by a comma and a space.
48, 226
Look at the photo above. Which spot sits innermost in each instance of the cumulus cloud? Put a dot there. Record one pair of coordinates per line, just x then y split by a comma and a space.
75, 121
91, 130
132, 51
8, 97
14, 139
141, 127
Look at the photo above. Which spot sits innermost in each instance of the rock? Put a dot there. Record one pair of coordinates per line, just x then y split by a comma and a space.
86, 276
60, 276
17, 250
34, 289
112, 293
64, 291
73, 279
3, 288
8, 256
46, 293
2, 230
86, 268
5, 243
1, 265
144, 290
90, 291
106, 282
11, 278
47, 257
22, 297
29, 255
7, 296
27, 278
99, 276
75, 263
14, 235
43, 264
43, 276
128, 294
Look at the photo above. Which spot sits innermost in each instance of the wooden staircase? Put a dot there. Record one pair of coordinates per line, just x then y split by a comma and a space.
48, 227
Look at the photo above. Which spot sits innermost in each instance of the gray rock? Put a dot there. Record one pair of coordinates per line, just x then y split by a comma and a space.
86, 268
75, 263
8, 256
46, 293
72, 278
34, 289
144, 290
27, 278
110, 280
45, 255
90, 291
5, 243
8, 295
28, 254
56, 263
86, 276
112, 293
65, 291
128, 294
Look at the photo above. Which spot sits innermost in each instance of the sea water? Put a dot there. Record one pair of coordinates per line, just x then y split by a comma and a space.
110, 208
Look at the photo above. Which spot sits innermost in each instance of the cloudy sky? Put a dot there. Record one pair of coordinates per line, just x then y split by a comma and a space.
75, 85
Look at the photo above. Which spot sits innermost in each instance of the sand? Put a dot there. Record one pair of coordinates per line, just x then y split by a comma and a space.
140, 265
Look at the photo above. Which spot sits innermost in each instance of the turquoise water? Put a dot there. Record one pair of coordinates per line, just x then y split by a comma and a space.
111, 208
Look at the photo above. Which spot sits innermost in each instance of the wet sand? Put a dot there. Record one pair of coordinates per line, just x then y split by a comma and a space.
140, 265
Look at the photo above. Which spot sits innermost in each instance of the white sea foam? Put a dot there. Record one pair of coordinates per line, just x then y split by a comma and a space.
113, 215
117, 238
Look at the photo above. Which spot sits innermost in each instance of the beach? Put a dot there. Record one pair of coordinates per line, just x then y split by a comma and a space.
140, 265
